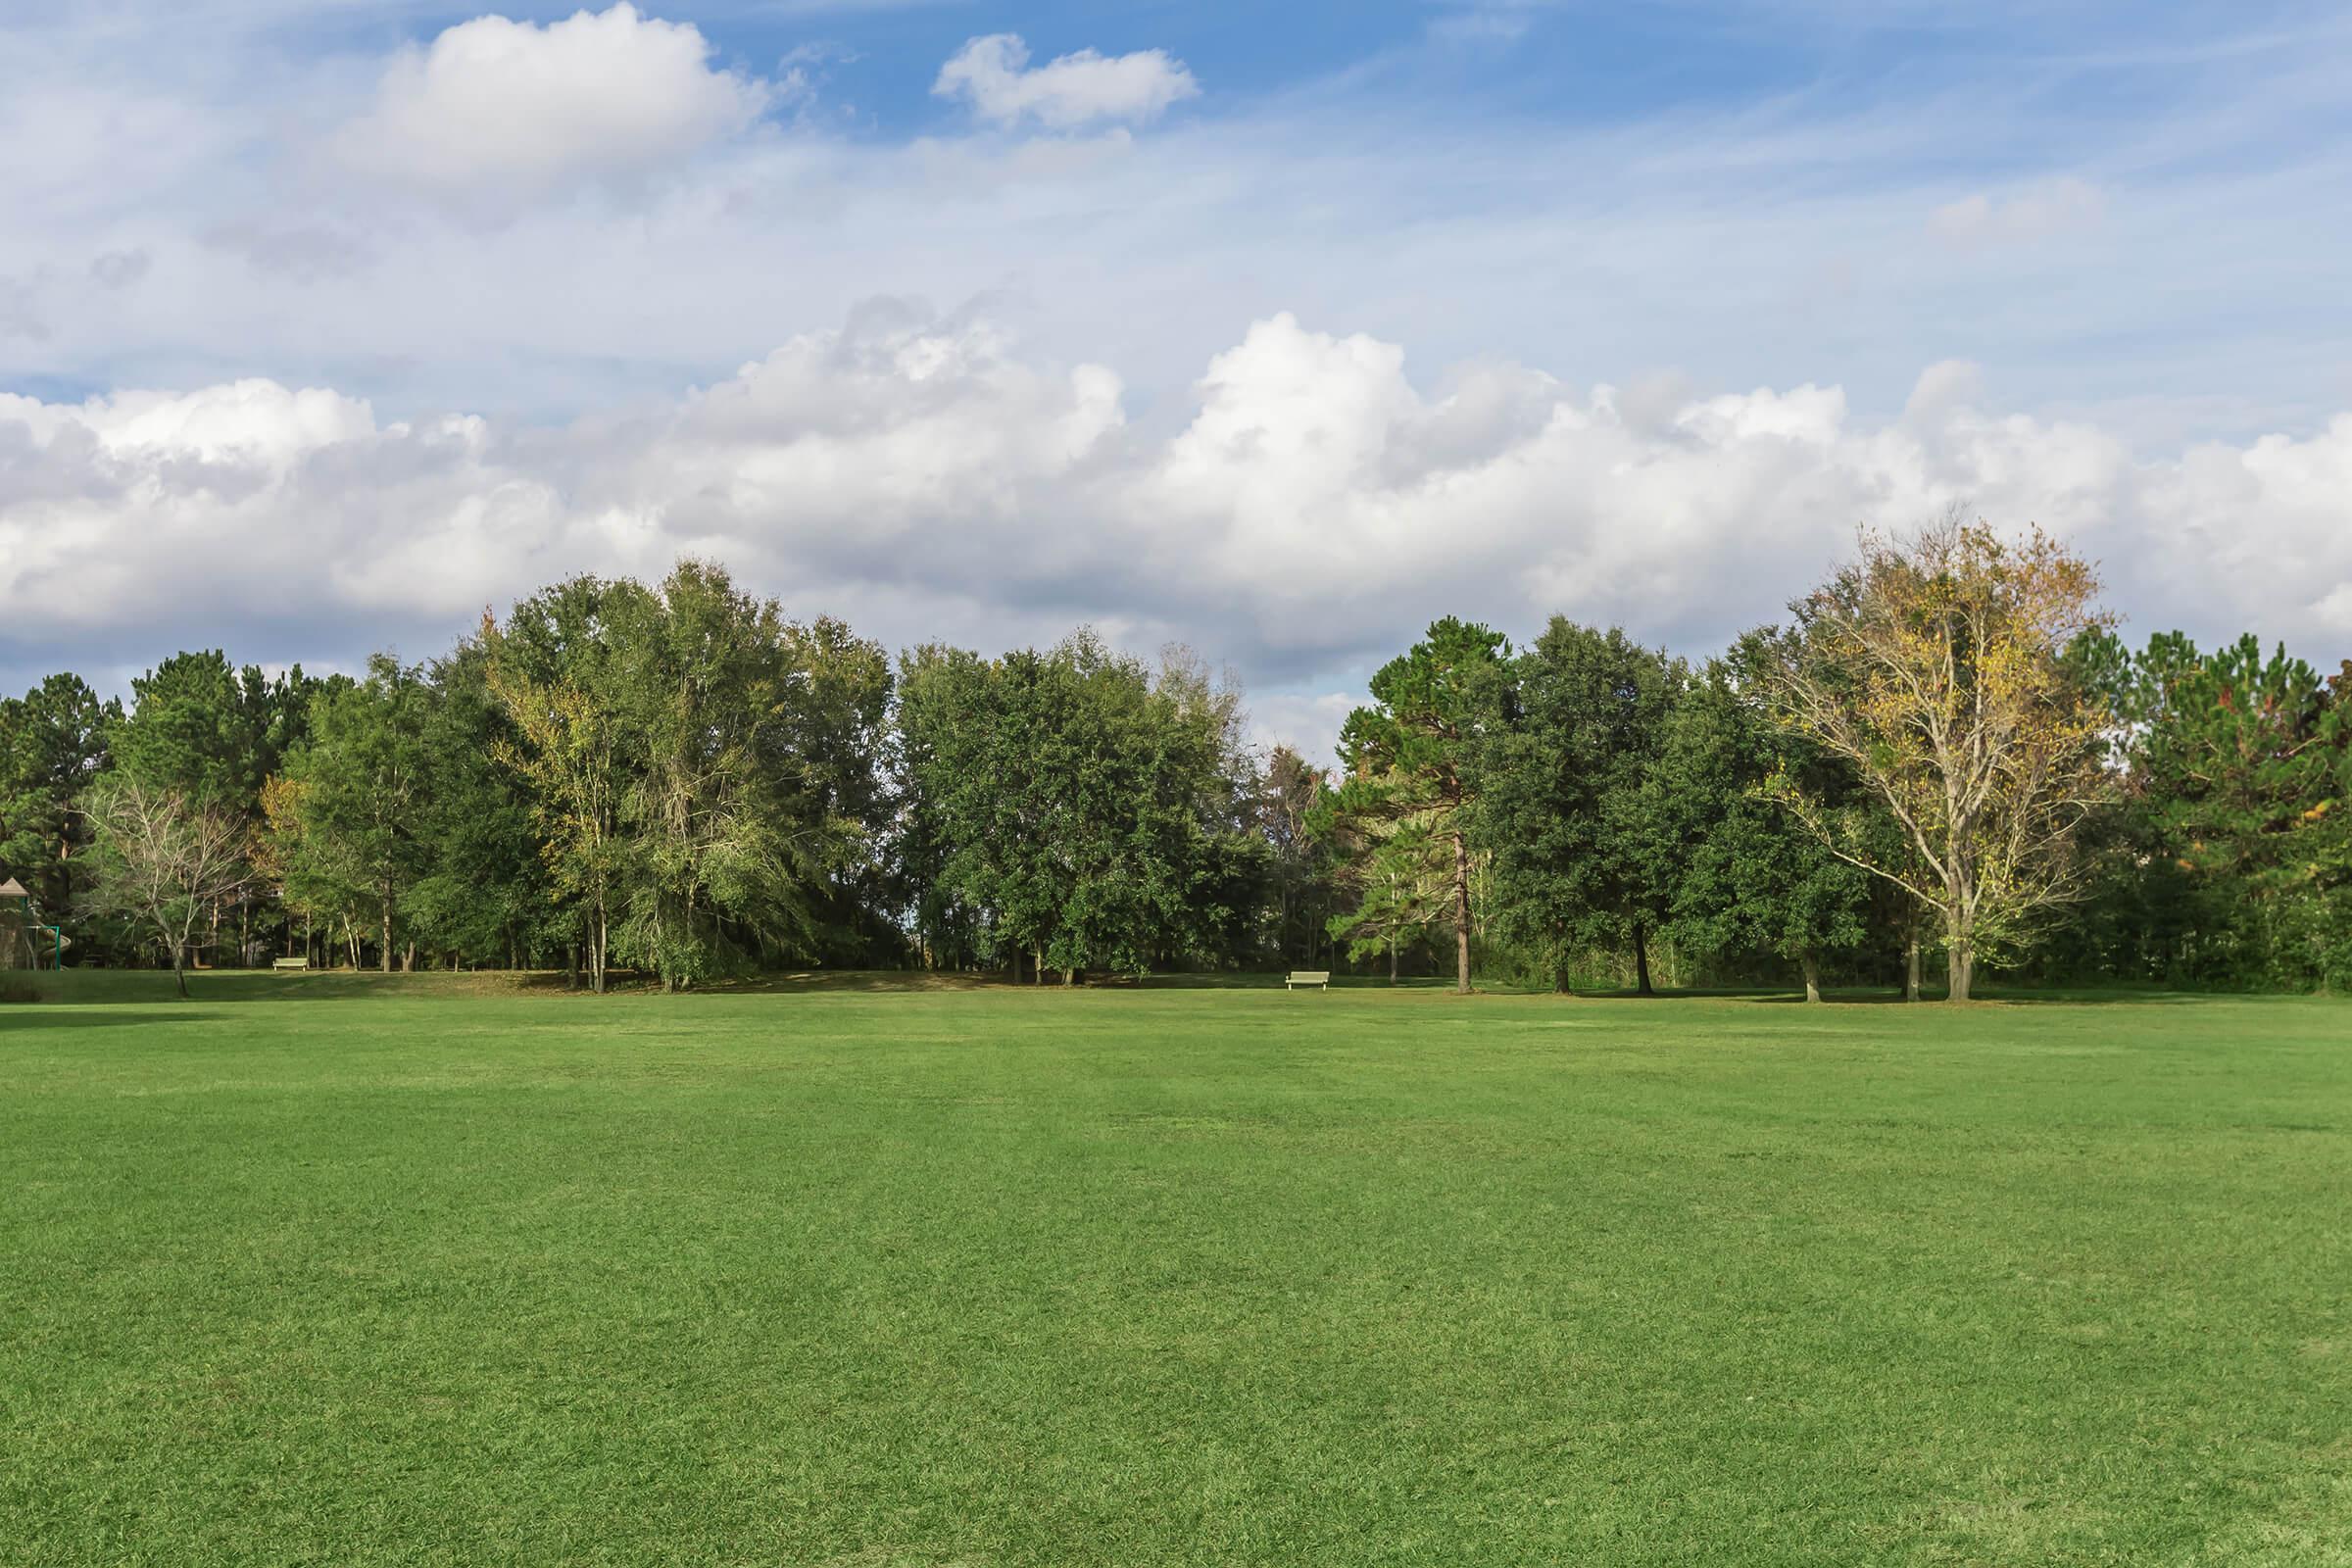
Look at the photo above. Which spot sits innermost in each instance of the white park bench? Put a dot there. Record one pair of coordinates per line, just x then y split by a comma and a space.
1318, 978
289, 963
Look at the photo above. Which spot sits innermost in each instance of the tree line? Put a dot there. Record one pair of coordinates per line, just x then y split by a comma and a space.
1945, 753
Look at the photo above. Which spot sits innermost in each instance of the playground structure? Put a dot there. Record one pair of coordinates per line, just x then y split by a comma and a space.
27, 943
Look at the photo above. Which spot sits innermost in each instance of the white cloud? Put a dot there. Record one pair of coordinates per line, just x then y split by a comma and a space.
495, 107
1310, 513
2033, 212
993, 75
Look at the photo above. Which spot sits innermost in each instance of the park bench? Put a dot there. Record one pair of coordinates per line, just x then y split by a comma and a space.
289, 963
1318, 978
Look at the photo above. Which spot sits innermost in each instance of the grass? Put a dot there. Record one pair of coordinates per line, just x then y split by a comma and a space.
334, 1270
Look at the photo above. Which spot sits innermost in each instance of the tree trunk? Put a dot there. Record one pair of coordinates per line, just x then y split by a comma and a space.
1392, 957
572, 967
1911, 966
1461, 915
408, 958
1960, 962
1812, 968
387, 931
1070, 977
1040, 956
1642, 986
179, 973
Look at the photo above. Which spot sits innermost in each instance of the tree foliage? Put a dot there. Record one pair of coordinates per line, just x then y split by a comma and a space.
1746, 877
1410, 762
346, 821
681, 779
1581, 859
52, 746
1076, 807
2226, 857
165, 861
1935, 667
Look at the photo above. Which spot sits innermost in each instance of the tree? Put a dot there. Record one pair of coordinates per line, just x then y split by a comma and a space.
214, 733
703, 774
1581, 860
555, 670
2229, 848
351, 814
1399, 872
734, 725
1749, 876
1411, 756
52, 746
832, 750
165, 860
486, 893
1935, 667
1077, 807
1289, 794
930, 748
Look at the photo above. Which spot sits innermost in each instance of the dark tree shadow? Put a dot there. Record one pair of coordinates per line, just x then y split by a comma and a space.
35, 1020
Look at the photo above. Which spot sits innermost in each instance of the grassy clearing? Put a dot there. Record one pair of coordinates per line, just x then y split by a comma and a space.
328, 1269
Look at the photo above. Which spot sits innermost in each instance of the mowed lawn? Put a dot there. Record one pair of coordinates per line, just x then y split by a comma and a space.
322, 1271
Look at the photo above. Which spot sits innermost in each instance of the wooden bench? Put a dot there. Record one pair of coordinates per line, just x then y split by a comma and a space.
289, 963
1320, 979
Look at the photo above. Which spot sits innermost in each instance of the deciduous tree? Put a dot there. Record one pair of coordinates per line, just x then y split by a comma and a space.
1749, 877
1581, 859
1935, 667
165, 860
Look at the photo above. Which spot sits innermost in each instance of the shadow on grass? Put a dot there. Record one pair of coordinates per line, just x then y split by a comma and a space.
154, 988
29, 1020
1882, 997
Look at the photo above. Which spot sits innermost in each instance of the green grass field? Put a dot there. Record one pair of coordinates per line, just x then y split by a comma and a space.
331, 1271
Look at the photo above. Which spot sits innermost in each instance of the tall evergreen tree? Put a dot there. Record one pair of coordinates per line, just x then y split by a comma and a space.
52, 746
2227, 856
1411, 757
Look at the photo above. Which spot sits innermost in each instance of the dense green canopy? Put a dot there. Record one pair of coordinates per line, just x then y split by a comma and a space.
682, 780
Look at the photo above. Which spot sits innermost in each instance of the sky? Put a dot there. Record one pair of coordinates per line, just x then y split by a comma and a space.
1278, 332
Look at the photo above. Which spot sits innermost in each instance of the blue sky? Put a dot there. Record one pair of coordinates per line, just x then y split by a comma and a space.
323, 324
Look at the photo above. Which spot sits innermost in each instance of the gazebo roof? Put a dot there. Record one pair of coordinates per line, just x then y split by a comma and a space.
13, 889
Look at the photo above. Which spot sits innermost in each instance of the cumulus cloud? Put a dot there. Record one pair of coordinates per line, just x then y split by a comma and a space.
1309, 512
993, 74
495, 107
